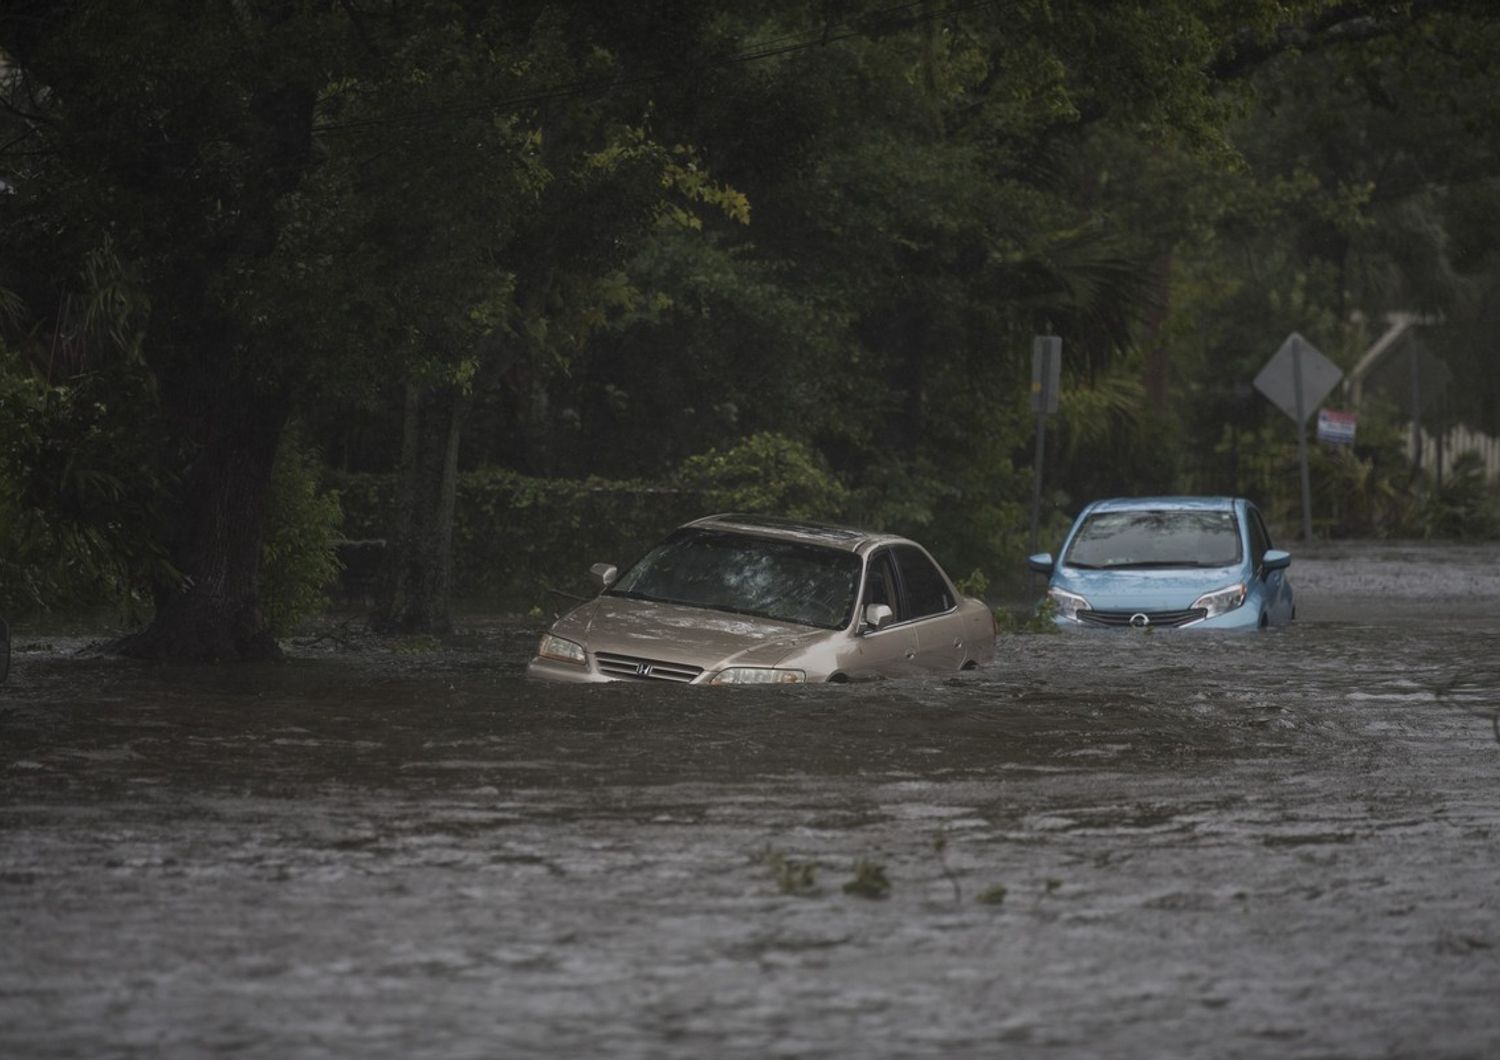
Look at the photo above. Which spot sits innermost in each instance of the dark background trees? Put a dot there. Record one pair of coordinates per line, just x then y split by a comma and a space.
573, 240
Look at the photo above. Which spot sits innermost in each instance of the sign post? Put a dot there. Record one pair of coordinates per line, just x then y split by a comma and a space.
1297, 378
1046, 382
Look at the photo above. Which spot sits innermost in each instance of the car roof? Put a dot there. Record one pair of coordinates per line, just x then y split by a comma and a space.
806, 531
1164, 503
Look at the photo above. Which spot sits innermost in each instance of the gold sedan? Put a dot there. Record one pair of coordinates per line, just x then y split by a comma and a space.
750, 599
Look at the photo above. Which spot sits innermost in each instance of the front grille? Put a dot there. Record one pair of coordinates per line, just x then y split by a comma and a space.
631, 667
1157, 618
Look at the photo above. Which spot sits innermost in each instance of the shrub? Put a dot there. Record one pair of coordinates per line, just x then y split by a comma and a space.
303, 528
766, 473
79, 490
1462, 506
519, 541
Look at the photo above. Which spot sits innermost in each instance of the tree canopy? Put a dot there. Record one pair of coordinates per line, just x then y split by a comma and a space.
580, 239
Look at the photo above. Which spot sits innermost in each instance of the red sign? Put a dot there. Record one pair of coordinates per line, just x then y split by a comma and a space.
1336, 428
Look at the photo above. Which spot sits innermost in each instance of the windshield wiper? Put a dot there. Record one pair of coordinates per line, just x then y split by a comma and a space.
726, 608
769, 616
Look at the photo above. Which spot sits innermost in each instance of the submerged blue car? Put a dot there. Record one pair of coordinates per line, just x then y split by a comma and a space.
1174, 562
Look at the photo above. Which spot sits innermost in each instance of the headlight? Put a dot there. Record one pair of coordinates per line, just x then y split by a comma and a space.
555, 647
1068, 604
1221, 600
758, 675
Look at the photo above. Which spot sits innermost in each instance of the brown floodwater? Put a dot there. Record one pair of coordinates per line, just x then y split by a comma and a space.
1126, 845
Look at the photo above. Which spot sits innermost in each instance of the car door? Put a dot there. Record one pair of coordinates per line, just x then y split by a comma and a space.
1278, 592
891, 651
932, 607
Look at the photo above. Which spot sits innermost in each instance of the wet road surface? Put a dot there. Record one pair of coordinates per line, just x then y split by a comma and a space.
1125, 845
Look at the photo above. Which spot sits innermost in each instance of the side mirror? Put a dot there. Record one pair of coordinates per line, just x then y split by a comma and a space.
604, 574
1275, 559
1041, 562
877, 617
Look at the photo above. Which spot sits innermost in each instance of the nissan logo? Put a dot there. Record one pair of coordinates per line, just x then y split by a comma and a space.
1140, 620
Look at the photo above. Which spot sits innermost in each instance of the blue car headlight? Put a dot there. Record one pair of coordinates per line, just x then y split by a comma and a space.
1221, 600
1067, 604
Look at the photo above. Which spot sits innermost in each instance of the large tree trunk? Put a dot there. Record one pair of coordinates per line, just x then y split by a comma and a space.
214, 614
415, 585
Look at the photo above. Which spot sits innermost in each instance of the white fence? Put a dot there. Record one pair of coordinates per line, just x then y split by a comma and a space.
1440, 451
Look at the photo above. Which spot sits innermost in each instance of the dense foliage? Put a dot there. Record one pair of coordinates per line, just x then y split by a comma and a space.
299, 561
786, 255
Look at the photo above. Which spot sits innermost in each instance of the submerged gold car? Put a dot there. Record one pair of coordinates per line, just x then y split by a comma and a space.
751, 599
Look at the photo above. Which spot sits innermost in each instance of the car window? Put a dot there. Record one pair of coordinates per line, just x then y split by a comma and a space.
1260, 540
1156, 538
926, 589
880, 584
783, 580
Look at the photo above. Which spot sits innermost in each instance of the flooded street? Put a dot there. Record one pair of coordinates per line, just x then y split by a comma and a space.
1126, 845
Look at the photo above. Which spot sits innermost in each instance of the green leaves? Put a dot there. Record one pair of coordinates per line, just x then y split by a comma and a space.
80, 496
808, 243
765, 473
304, 526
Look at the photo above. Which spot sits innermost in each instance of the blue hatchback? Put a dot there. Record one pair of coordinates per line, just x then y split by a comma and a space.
1175, 562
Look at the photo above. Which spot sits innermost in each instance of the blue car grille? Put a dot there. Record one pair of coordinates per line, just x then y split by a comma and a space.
1133, 618
631, 667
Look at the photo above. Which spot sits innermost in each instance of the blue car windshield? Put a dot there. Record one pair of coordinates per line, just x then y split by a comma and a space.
1112, 540
782, 580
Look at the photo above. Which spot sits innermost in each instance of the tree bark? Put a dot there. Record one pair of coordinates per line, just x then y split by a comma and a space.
414, 590
214, 614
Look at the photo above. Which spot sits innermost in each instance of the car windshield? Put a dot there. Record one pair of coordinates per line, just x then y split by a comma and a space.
1155, 539
782, 580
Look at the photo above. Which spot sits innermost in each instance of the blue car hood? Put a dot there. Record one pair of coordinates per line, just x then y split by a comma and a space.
1166, 589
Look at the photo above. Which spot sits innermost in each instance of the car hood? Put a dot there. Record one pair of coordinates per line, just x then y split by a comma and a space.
673, 633
1165, 589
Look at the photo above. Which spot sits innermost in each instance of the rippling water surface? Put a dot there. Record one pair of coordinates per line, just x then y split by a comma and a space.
1125, 845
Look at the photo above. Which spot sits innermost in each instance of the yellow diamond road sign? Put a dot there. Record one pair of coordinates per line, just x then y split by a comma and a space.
1278, 379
